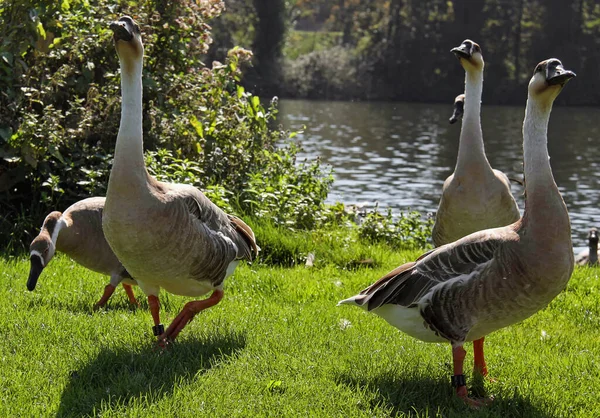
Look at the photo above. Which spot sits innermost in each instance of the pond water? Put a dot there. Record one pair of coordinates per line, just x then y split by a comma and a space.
399, 154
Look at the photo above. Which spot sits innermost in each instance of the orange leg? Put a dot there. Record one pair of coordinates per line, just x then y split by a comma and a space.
108, 291
130, 294
479, 361
154, 311
187, 314
458, 380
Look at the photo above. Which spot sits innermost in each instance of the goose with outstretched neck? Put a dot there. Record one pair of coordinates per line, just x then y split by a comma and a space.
475, 196
493, 278
167, 236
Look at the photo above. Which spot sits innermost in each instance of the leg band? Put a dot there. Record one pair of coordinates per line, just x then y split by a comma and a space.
458, 380
160, 329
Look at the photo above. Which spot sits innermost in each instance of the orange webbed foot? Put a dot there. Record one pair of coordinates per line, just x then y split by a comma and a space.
187, 314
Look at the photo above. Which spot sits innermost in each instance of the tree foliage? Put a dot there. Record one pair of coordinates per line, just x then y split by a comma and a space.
399, 49
60, 110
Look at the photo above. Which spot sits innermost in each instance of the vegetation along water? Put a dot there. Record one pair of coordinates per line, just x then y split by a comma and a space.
277, 344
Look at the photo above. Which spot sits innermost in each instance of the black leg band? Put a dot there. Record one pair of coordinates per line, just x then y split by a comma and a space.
158, 330
458, 380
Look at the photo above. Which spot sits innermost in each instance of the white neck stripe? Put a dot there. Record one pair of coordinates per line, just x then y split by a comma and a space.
37, 253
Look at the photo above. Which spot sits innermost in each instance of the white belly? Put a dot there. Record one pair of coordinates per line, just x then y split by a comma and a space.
409, 321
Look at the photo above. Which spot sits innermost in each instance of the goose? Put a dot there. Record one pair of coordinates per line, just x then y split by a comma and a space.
78, 233
589, 256
464, 290
167, 236
475, 196
459, 108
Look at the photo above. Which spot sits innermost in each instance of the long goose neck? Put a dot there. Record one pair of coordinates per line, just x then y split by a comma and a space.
471, 152
593, 255
129, 153
545, 209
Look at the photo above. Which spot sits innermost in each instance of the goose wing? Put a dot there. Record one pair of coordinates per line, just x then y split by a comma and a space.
209, 214
409, 283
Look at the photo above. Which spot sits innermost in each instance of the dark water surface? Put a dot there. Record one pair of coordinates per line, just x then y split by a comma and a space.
399, 154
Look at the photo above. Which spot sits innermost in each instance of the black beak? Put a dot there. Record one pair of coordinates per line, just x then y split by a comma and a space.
34, 271
462, 51
121, 31
459, 109
556, 74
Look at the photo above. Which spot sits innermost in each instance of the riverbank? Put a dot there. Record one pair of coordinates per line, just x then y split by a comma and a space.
277, 345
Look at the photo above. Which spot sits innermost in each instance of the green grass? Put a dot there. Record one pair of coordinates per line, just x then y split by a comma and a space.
277, 345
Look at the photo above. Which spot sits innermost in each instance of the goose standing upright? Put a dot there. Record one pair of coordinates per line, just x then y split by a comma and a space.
167, 235
78, 233
493, 278
475, 196
589, 256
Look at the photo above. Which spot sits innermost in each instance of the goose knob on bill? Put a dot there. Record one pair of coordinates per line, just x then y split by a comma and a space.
78, 233
464, 290
167, 235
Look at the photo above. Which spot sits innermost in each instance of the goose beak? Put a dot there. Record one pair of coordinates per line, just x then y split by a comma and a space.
34, 271
121, 31
462, 51
558, 75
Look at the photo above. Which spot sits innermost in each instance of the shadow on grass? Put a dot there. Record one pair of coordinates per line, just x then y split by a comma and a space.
425, 397
118, 376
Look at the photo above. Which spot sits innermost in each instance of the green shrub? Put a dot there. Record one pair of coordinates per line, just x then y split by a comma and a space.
408, 230
60, 110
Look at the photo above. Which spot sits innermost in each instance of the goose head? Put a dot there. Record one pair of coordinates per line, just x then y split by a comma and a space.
469, 54
549, 77
593, 238
128, 42
459, 108
42, 249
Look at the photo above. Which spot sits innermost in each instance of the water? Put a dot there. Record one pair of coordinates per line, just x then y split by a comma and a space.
399, 154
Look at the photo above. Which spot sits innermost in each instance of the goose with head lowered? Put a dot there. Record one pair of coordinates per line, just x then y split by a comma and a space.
493, 278
78, 233
475, 196
168, 236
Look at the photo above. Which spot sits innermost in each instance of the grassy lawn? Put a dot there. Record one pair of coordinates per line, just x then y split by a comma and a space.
277, 345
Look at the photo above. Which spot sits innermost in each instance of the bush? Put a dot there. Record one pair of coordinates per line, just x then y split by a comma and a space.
60, 110
408, 230
328, 73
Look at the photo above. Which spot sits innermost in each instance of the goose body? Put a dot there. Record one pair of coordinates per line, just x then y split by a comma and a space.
475, 196
590, 254
493, 278
168, 236
78, 233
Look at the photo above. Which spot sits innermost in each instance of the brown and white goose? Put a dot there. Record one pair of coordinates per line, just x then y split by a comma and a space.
459, 108
475, 196
168, 236
78, 233
490, 279
589, 256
